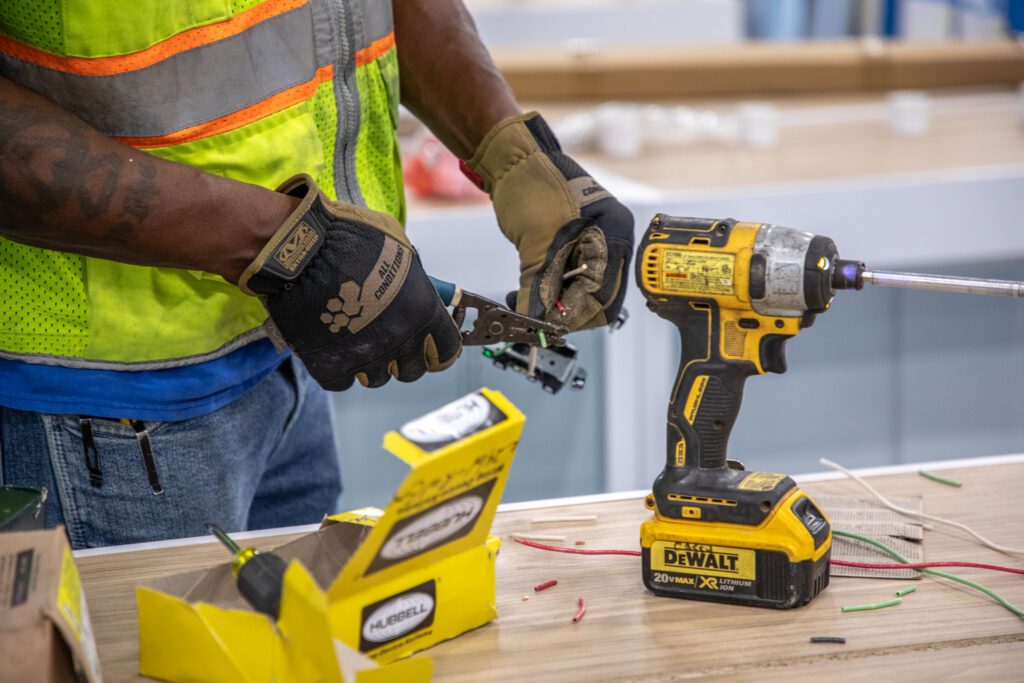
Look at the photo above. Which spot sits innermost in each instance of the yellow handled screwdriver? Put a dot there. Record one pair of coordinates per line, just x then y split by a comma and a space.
260, 575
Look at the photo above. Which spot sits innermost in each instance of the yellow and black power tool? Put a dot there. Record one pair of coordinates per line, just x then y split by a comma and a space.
736, 291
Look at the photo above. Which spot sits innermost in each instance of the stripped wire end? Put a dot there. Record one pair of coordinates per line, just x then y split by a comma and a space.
582, 611
531, 368
574, 272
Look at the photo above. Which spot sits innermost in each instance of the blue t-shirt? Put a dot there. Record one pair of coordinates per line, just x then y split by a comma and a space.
163, 395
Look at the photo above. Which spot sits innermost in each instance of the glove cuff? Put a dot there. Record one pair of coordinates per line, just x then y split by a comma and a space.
294, 243
505, 145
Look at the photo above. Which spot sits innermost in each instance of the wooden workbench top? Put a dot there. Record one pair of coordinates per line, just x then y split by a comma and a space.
941, 632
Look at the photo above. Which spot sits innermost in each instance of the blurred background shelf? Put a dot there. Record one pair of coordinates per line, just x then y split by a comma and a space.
593, 72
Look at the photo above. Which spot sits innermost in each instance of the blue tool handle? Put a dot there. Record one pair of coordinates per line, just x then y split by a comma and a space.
446, 290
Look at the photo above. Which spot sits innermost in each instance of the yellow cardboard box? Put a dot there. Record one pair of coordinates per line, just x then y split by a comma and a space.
369, 584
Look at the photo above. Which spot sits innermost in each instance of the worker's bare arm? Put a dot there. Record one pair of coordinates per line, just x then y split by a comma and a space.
448, 78
68, 187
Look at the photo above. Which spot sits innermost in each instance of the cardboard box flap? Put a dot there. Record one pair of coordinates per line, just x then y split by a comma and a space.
460, 456
242, 645
323, 553
40, 589
29, 578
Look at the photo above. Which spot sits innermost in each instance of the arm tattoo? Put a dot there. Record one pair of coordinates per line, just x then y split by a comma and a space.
68, 182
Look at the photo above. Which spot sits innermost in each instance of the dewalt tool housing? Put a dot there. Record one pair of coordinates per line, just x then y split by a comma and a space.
737, 292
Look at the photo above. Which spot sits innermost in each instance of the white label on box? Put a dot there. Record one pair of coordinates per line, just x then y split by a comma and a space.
452, 422
398, 617
433, 527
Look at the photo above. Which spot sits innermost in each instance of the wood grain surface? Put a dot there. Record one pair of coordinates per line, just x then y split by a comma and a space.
941, 632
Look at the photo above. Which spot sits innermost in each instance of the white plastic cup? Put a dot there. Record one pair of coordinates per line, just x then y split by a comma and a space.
758, 124
619, 132
909, 113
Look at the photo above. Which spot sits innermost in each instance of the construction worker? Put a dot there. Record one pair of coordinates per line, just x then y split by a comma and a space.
148, 268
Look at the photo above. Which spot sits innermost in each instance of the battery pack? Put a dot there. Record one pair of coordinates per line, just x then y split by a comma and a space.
781, 563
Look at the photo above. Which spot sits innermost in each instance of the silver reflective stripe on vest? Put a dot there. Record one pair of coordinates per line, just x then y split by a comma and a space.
374, 20
189, 88
338, 16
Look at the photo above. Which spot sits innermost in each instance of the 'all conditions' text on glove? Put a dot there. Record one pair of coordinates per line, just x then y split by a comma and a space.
346, 291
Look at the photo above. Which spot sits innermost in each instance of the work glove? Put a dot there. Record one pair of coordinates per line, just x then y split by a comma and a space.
559, 218
346, 291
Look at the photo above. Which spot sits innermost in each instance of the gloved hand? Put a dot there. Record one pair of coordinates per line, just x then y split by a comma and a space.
559, 218
346, 290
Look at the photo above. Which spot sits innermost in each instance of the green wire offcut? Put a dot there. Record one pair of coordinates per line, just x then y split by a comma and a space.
942, 480
935, 572
873, 605
543, 339
905, 591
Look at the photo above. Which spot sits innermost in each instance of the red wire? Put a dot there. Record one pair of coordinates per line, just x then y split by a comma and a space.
547, 584
840, 563
583, 610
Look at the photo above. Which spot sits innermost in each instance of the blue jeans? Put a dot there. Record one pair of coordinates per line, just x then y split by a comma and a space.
266, 460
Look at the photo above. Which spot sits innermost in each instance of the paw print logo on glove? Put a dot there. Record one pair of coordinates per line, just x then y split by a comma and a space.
345, 308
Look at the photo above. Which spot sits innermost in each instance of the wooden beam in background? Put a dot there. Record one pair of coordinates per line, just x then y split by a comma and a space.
761, 68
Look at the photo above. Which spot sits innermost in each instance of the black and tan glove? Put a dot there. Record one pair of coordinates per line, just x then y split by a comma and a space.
559, 218
346, 291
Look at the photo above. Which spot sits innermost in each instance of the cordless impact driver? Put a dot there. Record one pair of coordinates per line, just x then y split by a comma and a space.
738, 291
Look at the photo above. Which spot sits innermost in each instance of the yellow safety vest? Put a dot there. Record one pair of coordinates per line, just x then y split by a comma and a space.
252, 90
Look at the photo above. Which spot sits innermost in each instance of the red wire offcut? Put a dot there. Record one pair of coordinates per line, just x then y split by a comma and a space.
547, 584
583, 610
838, 563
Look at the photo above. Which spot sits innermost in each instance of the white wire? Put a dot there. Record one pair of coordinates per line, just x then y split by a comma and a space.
913, 513
558, 538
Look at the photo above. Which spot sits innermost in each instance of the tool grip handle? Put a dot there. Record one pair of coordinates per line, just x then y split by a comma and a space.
707, 394
260, 581
446, 290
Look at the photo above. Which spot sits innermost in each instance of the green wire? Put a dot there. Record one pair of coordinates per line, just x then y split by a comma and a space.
543, 339
500, 351
942, 480
952, 577
905, 591
874, 605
